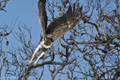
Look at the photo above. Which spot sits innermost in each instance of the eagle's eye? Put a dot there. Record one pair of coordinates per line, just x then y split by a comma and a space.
49, 35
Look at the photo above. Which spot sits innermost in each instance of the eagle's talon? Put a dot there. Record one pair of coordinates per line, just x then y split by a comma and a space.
29, 62
34, 63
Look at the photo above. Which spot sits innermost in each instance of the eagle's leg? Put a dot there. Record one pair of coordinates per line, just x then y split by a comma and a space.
39, 46
39, 58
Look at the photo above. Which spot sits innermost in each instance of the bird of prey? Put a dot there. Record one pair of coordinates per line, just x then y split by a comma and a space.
57, 28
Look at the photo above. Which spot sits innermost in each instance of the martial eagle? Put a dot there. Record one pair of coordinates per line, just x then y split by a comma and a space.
57, 28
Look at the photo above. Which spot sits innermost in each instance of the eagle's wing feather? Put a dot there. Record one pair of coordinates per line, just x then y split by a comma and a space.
64, 23
42, 16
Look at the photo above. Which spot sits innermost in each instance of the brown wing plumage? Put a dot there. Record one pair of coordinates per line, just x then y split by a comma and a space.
42, 16
64, 23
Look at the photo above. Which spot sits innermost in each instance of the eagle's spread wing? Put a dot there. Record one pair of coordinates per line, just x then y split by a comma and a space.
42, 16
64, 23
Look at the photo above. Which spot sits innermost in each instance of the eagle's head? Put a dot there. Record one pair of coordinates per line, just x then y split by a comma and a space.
48, 41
